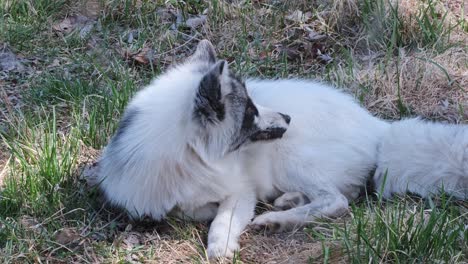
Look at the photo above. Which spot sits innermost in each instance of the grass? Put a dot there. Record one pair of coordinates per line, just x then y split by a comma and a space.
406, 232
61, 107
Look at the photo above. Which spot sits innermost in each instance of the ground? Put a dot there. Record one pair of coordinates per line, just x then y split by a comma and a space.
68, 68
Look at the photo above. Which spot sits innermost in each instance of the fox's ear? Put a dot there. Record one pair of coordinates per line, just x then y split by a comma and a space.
205, 52
209, 107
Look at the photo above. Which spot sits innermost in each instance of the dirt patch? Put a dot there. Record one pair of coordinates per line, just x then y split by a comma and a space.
297, 247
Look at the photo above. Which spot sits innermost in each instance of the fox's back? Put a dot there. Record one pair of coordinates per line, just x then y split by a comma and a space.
331, 140
318, 110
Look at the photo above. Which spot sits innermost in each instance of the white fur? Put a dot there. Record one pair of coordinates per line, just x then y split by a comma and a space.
327, 154
328, 151
423, 158
167, 166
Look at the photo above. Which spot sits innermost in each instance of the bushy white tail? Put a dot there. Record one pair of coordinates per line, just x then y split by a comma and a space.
423, 158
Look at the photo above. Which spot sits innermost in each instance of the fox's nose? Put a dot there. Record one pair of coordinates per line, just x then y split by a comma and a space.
286, 118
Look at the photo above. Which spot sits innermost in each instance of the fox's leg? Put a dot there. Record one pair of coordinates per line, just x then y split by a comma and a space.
290, 200
234, 214
330, 203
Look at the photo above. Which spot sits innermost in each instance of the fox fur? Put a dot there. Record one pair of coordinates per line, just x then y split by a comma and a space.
201, 143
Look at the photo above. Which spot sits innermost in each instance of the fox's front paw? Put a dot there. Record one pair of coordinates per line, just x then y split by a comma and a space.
219, 250
264, 222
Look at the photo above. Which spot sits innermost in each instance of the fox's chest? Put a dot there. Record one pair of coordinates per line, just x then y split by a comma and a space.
261, 169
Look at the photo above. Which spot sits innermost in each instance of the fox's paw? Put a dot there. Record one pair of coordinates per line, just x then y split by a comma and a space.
271, 222
218, 249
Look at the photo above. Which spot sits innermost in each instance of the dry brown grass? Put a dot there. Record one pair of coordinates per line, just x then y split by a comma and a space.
297, 247
432, 86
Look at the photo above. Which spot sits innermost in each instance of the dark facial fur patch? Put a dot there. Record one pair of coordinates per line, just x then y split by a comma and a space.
249, 127
249, 115
268, 134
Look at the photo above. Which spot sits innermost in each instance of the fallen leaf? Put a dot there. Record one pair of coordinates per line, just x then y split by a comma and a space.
66, 236
78, 22
143, 56
70, 23
55, 63
315, 36
29, 222
132, 240
168, 59
128, 228
84, 32
9, 61
166, 15
325, 58
298, 16
32, 224
291, 52
132, 35
445, 104
195, 22
90, 174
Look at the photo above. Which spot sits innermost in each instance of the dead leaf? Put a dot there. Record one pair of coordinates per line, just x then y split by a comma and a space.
69, 23
325, 58
168, 60
195, 22
66, 236
132, 240
292, 52
143, 56
29, 222
298, 16
132, 35
315, 36
128, 228
32, 224
445, 104
90, 174
166, 15
262, 55
55, 63
9, 61
82, 23
84, 32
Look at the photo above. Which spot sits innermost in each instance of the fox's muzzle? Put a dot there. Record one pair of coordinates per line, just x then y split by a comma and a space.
268, 134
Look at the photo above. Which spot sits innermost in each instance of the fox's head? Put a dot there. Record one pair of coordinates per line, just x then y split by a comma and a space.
193, 113
226, 116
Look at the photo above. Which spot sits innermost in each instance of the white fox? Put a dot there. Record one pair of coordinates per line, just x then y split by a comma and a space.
201, 143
